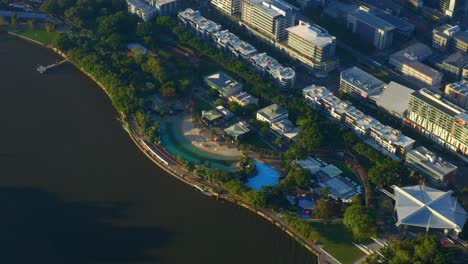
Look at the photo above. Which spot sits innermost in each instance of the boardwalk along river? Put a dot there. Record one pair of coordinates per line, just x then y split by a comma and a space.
75, 189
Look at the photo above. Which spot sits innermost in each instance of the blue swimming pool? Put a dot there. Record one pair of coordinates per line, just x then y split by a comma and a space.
266, 176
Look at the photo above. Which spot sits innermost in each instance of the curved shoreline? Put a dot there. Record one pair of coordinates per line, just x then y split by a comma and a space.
158, 156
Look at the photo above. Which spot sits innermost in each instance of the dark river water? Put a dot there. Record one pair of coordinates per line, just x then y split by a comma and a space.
75, 189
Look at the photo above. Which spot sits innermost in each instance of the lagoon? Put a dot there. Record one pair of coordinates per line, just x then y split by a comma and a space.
266, 176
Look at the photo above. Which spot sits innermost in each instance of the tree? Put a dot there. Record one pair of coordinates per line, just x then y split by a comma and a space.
14, 20
326, 209
324, 192
388, 172
264, 130
278, 141
298, 177
310, 135
50, 27
219, 101
154, 67
31, 24
2, 21
361, 221
50, 7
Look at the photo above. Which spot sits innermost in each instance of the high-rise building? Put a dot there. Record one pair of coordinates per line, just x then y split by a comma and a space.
230, 7
312, 41
448, 7
371, 28
270, 18
359, 83
457, 93
440, 120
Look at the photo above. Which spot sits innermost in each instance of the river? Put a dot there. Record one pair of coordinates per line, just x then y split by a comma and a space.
75, 189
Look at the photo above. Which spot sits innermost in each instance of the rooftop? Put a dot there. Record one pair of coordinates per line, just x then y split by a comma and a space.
273, 7
331, 170
388, 5
395, 98
313, 34
268, 63
415, 52
446, 30
237, 129
429, 159
245, 98
457, 59
426, 207
461, 35
273, 111
461, 87
221, 80
362, 80
141, 5
340, 189
189, 13
397, 22
211, 115
371, 20
310, 164
285, 128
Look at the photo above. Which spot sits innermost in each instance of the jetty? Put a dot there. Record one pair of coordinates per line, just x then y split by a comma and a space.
42, 69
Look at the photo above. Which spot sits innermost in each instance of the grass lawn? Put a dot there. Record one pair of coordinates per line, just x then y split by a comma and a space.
40, 35
337, 241
202, 104
255, 140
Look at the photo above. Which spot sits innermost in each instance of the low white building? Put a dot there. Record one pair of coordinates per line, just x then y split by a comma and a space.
272, 114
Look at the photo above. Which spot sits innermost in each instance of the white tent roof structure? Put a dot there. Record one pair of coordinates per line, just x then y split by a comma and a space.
423, 206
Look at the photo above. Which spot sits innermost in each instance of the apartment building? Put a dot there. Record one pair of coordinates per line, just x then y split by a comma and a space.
227, 41
371, 28
457, 93
269, 18
270, 67
230, 43
164, 7
223, 83
229, 7
440, 120
384, 138
141, 9
194, 21
359, 83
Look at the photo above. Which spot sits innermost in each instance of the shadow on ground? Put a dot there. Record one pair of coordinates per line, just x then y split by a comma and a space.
40, 227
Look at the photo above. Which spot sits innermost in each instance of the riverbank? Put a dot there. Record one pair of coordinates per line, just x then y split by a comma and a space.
153, 152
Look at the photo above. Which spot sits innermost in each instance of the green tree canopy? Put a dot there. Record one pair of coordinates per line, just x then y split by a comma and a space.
360, 220
388, 172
